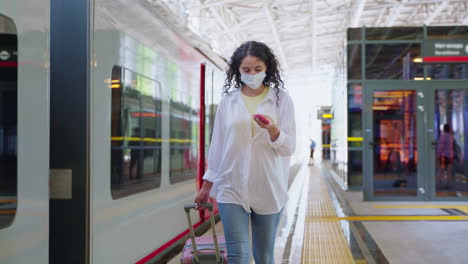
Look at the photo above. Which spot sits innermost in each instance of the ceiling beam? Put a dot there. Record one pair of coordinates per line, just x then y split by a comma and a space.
236, 19
434, 14
313, 31
276, 36
356, 13
465, 21
220, 21
393, 16
335, 6
236, 27
214, 4
379, 18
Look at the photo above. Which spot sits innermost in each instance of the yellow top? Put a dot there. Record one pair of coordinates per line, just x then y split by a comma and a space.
252, 103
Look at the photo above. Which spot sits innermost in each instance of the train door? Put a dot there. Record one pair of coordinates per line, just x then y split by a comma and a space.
393, 125
415, 139
24, 131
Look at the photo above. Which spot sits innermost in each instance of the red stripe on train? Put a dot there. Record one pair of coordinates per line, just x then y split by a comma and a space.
8, 64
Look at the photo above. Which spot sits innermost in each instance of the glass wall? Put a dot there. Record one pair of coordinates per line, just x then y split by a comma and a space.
451, 142
355, 134
388, 54
393, 61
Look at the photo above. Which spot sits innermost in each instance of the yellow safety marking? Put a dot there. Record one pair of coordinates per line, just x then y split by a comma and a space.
463, 208
360, 261
444, 206
7, 200
326, 145
391, 218
158, 140
355, 139
7, 212
324, 241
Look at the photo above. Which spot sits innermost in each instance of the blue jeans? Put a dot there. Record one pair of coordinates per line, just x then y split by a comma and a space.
236, 231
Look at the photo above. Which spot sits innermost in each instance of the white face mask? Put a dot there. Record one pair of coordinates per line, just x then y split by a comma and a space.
253, 81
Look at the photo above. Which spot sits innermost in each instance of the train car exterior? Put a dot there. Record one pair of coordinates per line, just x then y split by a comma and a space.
133, 123
24, 131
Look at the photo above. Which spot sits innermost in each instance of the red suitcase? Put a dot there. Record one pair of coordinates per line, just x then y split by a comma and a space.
203, 250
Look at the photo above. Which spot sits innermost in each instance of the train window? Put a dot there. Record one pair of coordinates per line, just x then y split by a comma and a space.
184, 125
8, 120
135, 133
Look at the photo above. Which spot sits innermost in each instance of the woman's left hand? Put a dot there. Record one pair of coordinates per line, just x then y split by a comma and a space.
272, 129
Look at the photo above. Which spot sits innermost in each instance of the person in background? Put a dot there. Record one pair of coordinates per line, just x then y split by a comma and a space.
248, 160
312, 148
445, 153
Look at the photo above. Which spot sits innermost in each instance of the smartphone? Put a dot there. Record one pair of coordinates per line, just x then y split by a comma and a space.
262, 118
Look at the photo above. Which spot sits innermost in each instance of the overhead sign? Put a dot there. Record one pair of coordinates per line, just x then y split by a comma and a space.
445, 51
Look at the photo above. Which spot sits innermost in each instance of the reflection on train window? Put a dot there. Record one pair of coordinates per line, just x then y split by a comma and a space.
136, 133
8, 121
451, 142
184, 126
393, 61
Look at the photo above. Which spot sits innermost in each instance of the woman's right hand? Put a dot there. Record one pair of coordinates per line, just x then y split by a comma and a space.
203, 194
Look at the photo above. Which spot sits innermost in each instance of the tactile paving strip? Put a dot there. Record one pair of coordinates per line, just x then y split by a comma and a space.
324, 241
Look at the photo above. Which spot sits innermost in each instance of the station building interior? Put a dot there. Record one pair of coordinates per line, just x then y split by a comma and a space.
98, 160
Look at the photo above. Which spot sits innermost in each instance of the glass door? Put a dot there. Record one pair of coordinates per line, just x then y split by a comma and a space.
415, 140
392, 124
449, 140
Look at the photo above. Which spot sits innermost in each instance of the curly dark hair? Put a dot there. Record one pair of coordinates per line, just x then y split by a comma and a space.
264, 53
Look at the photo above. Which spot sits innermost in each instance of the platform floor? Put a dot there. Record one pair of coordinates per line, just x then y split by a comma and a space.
324, 224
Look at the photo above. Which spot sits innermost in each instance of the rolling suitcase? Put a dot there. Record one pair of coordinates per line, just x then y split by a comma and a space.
203, 250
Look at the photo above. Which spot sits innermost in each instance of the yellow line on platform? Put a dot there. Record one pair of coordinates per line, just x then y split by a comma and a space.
463, 208
420, 206
391, 218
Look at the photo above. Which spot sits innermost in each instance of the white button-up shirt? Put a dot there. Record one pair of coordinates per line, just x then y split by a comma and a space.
251, 171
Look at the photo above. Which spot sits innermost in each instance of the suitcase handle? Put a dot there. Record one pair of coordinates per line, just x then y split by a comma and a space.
187, 208
200, 250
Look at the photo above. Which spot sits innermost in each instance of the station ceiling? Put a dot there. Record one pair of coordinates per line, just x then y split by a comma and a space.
306, 33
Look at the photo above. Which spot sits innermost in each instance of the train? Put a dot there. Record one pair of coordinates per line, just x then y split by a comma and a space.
106, 115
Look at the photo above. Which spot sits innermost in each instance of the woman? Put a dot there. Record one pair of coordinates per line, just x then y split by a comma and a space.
248, 161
